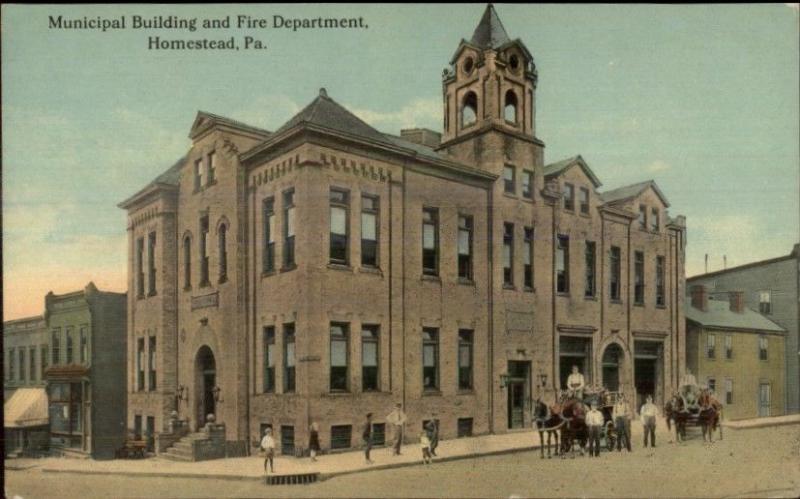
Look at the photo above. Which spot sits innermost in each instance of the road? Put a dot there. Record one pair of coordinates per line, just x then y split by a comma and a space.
747, 463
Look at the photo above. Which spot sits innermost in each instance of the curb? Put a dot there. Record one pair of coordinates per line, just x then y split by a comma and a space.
761, 424
153, 474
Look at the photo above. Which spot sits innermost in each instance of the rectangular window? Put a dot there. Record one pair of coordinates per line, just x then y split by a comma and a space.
528, 259
465, 247
44, 355
84, 344
655, 220
151, 264
711, 344
765, 302
643, 217
527, 184
32, 363
638, 287
430, 241
614, 279
430, 358
728, 391
140, 364
370, 339
22, 372
288, 358
339, 357
70, 345
55, 343
140, 267
728, 346
151, 363
187, 262
198, 174
508, 254
137, 427
712, 384
464, 427
591, 258
508, 179
11, 365
288, 228
269, 359
223, 252
661, 293
268, 255
340, 210
341, 436
204, 251
569, 197
378, 434
369, 230
562, 264
762, 347
465, 341
212, 167
287, 440
584, 200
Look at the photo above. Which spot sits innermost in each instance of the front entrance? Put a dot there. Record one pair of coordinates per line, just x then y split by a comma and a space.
612, 363
206, 380
518, 392
647, 371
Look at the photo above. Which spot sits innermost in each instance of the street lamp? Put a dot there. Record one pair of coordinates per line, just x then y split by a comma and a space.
542, 380
216, 391
504, 379
182, 393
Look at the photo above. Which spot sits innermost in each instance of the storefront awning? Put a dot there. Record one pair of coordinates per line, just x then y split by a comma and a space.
27, 407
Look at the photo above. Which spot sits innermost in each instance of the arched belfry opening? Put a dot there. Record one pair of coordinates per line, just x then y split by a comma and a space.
205, 367
469, 110
510, 109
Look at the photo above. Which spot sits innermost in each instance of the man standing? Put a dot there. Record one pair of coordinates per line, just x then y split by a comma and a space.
268, 444
621, 416
367, 435
648, 413
397, 418
576, 383
432, 429
594, 421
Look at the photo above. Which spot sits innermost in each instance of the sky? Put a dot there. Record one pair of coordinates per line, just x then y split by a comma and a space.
701, 98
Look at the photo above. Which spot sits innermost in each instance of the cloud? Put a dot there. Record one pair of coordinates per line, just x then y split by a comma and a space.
417, 113
658, 166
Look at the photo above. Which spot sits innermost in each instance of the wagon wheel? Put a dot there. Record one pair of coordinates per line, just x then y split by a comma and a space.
611, 436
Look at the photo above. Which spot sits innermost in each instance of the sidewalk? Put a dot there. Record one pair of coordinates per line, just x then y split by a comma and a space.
327, 466
742, 424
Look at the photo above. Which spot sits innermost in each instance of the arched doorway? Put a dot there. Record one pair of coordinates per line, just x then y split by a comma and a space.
205, 381
612, 366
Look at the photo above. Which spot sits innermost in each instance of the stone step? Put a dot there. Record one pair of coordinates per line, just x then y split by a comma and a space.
186, 446
176, 457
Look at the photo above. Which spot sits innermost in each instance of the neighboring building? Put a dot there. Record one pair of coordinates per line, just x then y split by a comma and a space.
326, 270
79, 351
736, 352
771, 287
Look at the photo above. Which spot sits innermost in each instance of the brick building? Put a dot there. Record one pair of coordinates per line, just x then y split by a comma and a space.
327, 269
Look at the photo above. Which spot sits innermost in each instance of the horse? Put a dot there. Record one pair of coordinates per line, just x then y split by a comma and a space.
709, 415
675, 412
546, 420
573, 413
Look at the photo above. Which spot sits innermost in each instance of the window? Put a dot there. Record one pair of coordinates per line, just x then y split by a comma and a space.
11, 365
140, 267
712, 384
212, 167
728, 346
590, 285
151, 264
464, 427
21, 353
765, 302
288, 228
465, 342
369, 231
269, 359
660, 285
509, 180
55, 343
84, 344
70, 344
32, 363
151, 363
187, 262
223, 253
711, 343
341, 436
527, 184
44, 356
204, 251
584, 200
430, 358
137, 427
140, 364
562, 264
655, 220
762, 347
430, 241
378, 434
465, 247
340, 201
339, 357
728, 391
510, 109
268, 256
642, 217
469, 110
614, 280
198, 174
569, 197
369, 358
65, 412
287, 440
527, 267
508, 254
288, 358
638, 272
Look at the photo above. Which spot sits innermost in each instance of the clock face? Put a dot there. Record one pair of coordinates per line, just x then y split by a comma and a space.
468, 65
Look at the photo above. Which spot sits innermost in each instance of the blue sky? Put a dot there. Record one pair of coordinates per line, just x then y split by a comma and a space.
703, 99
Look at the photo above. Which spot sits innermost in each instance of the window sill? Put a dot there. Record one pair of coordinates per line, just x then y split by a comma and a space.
339, 393
140, 297
590, 298
196, 190
205, 284
213, 182
585, 214
528, 199
571, 211
466, 281
662, 307
187, 288
267, 273
431, 278
371, 270
466, 391
151, 293
637, 304
615, 302
431, 392
509, 287
529, 289
223, 280
288, 268
563, 294
510, 195
338, 266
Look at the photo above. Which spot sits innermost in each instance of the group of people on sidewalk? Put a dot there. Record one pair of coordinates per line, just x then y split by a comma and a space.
622, 418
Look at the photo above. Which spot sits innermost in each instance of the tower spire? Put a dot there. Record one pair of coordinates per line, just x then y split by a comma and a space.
490, 32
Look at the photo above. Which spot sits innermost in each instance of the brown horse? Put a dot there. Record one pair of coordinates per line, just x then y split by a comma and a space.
709, 415
573, 413
675, 413
546, 420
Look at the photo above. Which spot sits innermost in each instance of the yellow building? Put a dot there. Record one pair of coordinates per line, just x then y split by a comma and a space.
736, 352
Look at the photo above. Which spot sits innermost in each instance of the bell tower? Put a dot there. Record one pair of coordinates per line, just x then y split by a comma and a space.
489, 86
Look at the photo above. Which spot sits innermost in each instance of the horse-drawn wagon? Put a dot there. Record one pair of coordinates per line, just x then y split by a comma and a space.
694, 406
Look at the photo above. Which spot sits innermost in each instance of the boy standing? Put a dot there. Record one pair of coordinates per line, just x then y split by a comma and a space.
268, 444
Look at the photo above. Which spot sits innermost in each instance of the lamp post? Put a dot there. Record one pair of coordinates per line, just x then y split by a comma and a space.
216, 390
504, 378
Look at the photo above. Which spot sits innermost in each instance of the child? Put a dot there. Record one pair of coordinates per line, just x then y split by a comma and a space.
425, 443
268, 444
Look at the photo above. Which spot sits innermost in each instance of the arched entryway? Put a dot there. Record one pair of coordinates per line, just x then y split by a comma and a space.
612, 367
205, 380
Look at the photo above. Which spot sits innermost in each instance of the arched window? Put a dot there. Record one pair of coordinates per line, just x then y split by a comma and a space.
187, 261
510, 110
469, 109
223, 253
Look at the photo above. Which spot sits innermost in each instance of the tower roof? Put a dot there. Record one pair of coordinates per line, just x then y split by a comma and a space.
490, 32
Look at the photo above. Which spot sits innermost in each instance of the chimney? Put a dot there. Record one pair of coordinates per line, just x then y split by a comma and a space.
422, 136
699, 297
736, 301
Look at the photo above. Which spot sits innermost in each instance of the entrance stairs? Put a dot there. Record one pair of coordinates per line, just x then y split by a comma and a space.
182, 449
